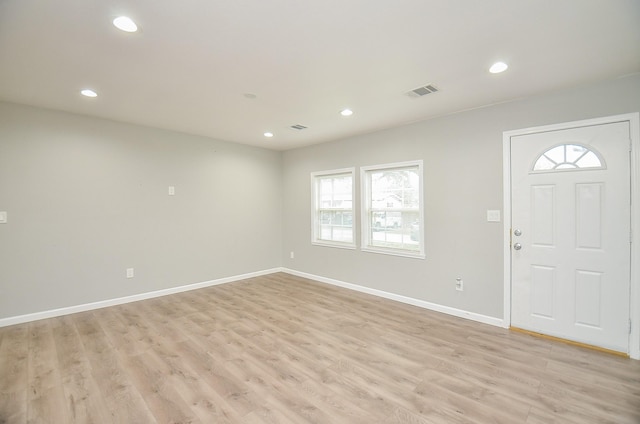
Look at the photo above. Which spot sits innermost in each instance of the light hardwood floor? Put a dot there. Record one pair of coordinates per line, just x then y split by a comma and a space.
282, 349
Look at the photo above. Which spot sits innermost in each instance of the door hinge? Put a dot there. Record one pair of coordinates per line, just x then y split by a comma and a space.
629, 325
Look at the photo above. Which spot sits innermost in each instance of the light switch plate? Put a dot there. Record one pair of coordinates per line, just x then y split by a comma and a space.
493, 215
172, 191
3, 217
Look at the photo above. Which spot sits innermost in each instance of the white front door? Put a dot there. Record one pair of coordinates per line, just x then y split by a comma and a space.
570, 246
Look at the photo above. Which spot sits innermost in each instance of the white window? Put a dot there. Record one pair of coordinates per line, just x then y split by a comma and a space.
568, 157
392, 212
332, 210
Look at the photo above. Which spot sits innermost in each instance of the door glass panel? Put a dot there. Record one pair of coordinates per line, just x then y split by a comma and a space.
589, 160
568, 157
544, 164
556, 154
574, 152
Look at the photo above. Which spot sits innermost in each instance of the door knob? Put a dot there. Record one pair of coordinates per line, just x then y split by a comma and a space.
517, 233
517, 246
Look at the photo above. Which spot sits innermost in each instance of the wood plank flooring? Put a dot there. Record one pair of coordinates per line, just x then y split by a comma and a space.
282, 349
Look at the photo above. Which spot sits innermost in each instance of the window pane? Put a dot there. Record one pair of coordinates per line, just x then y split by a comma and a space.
333, 213
590, 160
335, 192
398, 230
567, 157
556, 154
574, 152
325, 185
342, 185
543, 164
336, 226
565, 166
392, 216
395, 189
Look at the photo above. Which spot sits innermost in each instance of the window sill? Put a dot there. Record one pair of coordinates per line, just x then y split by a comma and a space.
395, 252
338, 245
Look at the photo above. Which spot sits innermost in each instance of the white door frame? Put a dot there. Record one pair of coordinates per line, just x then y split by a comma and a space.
634, 125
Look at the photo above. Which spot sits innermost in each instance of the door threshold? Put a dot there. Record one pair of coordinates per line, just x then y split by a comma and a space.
569, 342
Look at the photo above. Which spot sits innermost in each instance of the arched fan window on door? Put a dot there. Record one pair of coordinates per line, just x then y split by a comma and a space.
568, 157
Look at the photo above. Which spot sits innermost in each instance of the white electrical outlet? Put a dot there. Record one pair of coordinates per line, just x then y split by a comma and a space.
291, 255
459, 284
493, 215
172, 191
3, 217
129, 272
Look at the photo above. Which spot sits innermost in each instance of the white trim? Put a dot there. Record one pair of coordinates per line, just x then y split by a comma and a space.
335, 244
634, 337
634, 297
394, 252
506, 243
403, 299
20, 319
590, 149
315, 240
365, 200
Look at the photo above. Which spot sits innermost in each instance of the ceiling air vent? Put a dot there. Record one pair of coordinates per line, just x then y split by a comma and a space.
298, 127
423, 91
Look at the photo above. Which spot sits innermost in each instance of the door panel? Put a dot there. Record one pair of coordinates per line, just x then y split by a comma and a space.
543, 201
589, 200
588, 298
543, 280
571, 205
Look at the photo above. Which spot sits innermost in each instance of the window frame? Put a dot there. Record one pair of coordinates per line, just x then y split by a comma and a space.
316, 209
576, 167
366, 209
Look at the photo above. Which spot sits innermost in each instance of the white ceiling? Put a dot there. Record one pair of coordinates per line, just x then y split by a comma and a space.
193, 61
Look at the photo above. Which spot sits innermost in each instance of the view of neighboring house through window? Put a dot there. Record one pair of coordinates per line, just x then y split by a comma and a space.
392, 212
332, 208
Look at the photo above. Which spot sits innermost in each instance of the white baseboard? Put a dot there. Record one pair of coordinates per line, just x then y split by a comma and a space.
404, 299
4, 322
20, 319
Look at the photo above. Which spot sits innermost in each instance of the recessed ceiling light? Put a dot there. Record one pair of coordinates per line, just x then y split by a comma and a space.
346, 112
125, 23
88, 93
268, 134
498, 67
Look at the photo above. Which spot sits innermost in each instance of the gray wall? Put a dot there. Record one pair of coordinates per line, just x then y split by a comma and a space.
87, 198
462, 156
